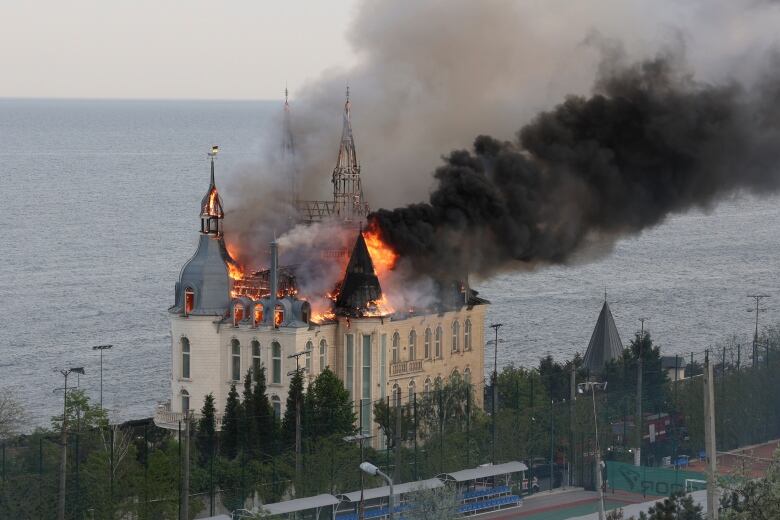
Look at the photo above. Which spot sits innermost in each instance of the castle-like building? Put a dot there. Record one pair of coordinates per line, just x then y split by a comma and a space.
222, 325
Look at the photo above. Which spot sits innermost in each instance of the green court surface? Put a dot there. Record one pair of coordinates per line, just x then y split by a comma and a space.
569, 512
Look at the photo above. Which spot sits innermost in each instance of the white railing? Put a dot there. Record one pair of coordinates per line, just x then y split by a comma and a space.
165, 418
406, 367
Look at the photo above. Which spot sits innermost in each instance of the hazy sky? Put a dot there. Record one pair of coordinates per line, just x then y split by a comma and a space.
168, 48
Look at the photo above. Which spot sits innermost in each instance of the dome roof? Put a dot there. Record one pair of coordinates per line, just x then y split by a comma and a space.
206, 274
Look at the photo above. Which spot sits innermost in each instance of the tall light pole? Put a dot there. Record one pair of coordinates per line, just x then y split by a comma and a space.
494, 388
592, 386
638, 425
360, 438
370, 469
64, 440
758, 310
101, 348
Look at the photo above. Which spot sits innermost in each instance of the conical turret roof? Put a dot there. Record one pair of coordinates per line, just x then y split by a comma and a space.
605, 344
360, 286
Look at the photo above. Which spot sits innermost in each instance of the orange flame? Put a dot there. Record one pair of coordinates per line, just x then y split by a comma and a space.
382, 255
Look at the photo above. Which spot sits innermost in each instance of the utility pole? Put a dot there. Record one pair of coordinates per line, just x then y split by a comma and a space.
64, 441
298, 369
572, 397
592, 386
360, 438
185, 484
397, 440
494, 388
709, 439
638, 421
758, 310
101, 348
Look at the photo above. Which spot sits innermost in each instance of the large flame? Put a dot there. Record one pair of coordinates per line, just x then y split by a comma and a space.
382, 255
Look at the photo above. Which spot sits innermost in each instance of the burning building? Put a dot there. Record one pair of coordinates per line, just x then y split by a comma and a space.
227, 319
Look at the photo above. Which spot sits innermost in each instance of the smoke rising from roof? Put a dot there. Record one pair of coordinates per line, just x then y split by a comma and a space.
649, 141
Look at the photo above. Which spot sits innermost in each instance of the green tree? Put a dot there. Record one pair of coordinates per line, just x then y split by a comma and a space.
206, 436
329, 406
263, 414
248, 440
294, 398
433, 504
747, 498
231, 424
81, 413
678, 506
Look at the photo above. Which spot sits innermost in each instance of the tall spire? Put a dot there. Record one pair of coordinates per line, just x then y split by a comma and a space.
211, 212
347, 188
288, 151
605, 344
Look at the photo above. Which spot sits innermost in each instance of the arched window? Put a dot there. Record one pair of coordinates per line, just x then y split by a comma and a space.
189, 300
323, 354
427, 343
277, 404
309, 349
467, 335
256, 359
276, 354
396, 395
258, 314
455, 335
427, 387
454, 375
412, 345
396, 347
437, 383
185, 358
185, 401
467, 375
238, 314
412, 389
235, 365
437, 342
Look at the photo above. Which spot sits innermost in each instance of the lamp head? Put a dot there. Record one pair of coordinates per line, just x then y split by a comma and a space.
368, 468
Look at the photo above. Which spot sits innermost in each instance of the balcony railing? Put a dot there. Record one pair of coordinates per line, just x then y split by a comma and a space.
406, 367
165, 418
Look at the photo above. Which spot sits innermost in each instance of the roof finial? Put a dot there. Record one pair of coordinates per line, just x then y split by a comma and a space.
347, 92
213, 154
605, 293
286, 94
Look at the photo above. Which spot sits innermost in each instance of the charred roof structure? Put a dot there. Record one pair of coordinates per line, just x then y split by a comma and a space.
360, 289
605, 344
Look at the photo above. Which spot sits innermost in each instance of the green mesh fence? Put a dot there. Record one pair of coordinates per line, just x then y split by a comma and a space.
652, 481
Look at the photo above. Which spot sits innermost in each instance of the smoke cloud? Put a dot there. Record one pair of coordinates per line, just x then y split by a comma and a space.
431, 75
648, 142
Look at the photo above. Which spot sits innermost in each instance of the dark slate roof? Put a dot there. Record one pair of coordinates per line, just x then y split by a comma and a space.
360, 285
605, 344
206, 273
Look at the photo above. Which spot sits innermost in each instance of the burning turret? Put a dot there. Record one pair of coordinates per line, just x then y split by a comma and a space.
204, 283
360, 293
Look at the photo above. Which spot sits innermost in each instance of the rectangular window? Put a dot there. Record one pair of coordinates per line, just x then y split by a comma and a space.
350, 372
366, 401
382, 365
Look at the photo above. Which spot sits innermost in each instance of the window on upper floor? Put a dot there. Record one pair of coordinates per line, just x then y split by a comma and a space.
437, 342
412, 345
455, 336
235, 360
396, 347
185, 358
323, 354
467, 335
189, 300
309, 349
278, 316
257, 360
258, 314
238, 314
276, 366
427, 344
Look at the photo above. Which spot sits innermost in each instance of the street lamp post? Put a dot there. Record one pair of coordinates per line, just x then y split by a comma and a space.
370, 469
494, 388
298, 369
101, 348
591, 386
64, 437
360, 438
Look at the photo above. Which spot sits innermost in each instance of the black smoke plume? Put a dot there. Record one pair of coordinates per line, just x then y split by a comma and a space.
650, 141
